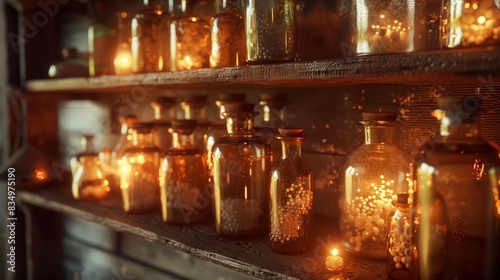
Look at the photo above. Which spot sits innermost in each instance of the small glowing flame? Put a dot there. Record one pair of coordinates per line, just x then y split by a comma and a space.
246, 192
335, 251
40, 174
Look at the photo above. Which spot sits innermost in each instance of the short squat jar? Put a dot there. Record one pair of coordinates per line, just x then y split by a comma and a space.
372, 174
184, 178
388, 26
139, 171
241, 166
291, 197
270, 28
470, 23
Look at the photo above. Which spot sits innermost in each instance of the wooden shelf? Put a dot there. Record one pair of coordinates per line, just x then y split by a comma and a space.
252, 257
452, 66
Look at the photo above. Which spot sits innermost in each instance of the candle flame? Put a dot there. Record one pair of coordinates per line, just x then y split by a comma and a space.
335, 252
246, 192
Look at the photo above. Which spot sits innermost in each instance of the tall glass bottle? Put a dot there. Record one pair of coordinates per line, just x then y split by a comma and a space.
189, 40
162, 108
124, 142
123, 55
372, 174
183, 178
149, 36
457, 202
242, 165
292, 195
102, 40
195, 108
270, 29
399, 239
273, 117
139, 171
228, 36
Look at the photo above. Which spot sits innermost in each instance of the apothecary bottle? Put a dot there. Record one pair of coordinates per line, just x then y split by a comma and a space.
227, 36
183, 178
242, 165
270, 31
291, 204
371, 175
124, 142
163, 113
71, 66
470, 23
189, 40
123, 55
194, 107
139, 171
273, 106
102, 40
86, 147
388, 26
457, 206
399, 239
149, 31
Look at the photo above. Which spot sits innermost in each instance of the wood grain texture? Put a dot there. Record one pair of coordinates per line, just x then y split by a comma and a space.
252, 257
416, 68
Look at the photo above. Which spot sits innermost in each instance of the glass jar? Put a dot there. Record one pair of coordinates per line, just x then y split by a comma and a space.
183, 178
194, 108
102, 41
228, 36
163, 112
89, 182
372, 175
388, 26
149, 38
139, 171
123, 143
71, 66
292, 195
457, 205
123, 55
273, 117
470, 23
242, 165
86, 147
189, 40
270, 30
399, 239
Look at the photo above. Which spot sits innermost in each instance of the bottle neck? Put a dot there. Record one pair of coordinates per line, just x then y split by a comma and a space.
272, 116
240, 123
291, 148
182, 140
380, 134
142, 140
194, 112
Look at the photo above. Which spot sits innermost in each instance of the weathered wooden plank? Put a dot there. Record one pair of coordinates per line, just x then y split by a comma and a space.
414, 68
252, 257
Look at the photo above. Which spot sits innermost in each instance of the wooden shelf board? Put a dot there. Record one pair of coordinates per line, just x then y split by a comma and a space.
252, 257
450, 66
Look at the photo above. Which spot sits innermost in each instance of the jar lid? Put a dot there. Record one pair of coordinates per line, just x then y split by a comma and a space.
142, 127
231, 97
402, 199
291, 132
379, 116
184, 124
242, 107
196, 99
280, 97
163, 102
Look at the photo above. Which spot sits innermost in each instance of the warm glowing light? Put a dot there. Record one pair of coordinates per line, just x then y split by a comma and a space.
467, 5
474, 6
193, 19
335, 251
246, 192
40, 174
481, 20
123, 14
382, 16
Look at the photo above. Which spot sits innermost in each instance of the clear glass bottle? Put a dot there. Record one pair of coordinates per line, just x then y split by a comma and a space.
195, 108
183, 178
371, 175
399, 239
86, 147
89, 182
242, 166
102, 40
139, 171
71, 66
228, 36
470, 23
163, 113
456, 198
123, 55
273, 117
270, 30
291, 204
149, 36
388, 26
189, 40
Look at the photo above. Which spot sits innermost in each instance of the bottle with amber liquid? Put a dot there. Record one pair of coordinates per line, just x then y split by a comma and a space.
162, 108
189, 40
242, 166
102, 40
183, 178
139, 171
291, 197
149, 36
456, 205
228, 36
123, 55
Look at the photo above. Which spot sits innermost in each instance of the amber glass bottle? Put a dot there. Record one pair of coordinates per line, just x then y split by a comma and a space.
162, 108
102, 40
291, 197
242, 165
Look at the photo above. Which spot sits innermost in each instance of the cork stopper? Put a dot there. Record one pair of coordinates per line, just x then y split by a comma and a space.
184, 124
196, 99
231, 97
402, 199
379, 116
163, 102
291, 132
243, 107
